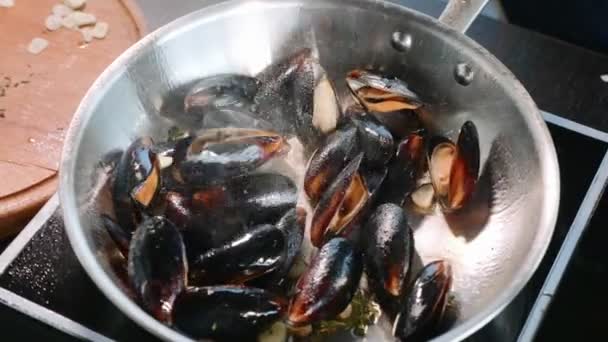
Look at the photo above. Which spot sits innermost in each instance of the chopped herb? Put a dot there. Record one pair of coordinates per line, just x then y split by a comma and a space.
25, 82
175, 133
365, 312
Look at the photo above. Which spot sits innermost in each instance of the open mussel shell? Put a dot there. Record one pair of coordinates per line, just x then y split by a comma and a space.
136, 182
425, 304
454, 168
339, 148
423, 199
329, 284
218, 154
403, 170
465, 167
226, 313
381, 94
375, 140
220, 91
340, 204
326, 111
251, 254
441, 154
389, 248
258, 198
157, 265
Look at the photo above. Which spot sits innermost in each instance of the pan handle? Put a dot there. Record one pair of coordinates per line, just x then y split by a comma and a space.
459, 14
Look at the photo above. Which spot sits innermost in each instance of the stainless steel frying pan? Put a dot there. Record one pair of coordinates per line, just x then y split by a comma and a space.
494, 246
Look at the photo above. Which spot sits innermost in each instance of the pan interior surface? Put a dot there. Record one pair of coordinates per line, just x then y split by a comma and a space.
494, 246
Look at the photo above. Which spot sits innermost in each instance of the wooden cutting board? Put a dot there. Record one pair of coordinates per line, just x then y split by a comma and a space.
40, 93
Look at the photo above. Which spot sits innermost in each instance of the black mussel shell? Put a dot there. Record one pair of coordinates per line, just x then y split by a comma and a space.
339, 149
425, 303
381, 94
251, 254
157, 265
178, 209
219, 154
275, 97
403, 170
226, 313
316, 106
329, 284
209, 230
292, 225
389, 248
136, 183
119, 235
374, 178
258, 198
401, 123
340, 204
465, 167
220, 91
376, 141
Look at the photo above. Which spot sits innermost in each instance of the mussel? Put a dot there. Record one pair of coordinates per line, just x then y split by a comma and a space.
136, 182
376, 141
258, 198
274, 99
425, 303
157, 265
220, 92
403, 170
218, 154
389, 248
329, 284
121, 237
465, 168
381, 94
226, 313
292, 225
339, 149
297, 96
248, 255
340, 204
454, 168
178, 209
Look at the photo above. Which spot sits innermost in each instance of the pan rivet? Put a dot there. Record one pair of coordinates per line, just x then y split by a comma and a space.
401, 41
464, 74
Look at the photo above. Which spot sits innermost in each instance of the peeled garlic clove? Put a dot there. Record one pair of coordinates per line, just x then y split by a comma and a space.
52, 22
37, 45
74, 4
100, 31
61, 10
7, 3
87, 34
